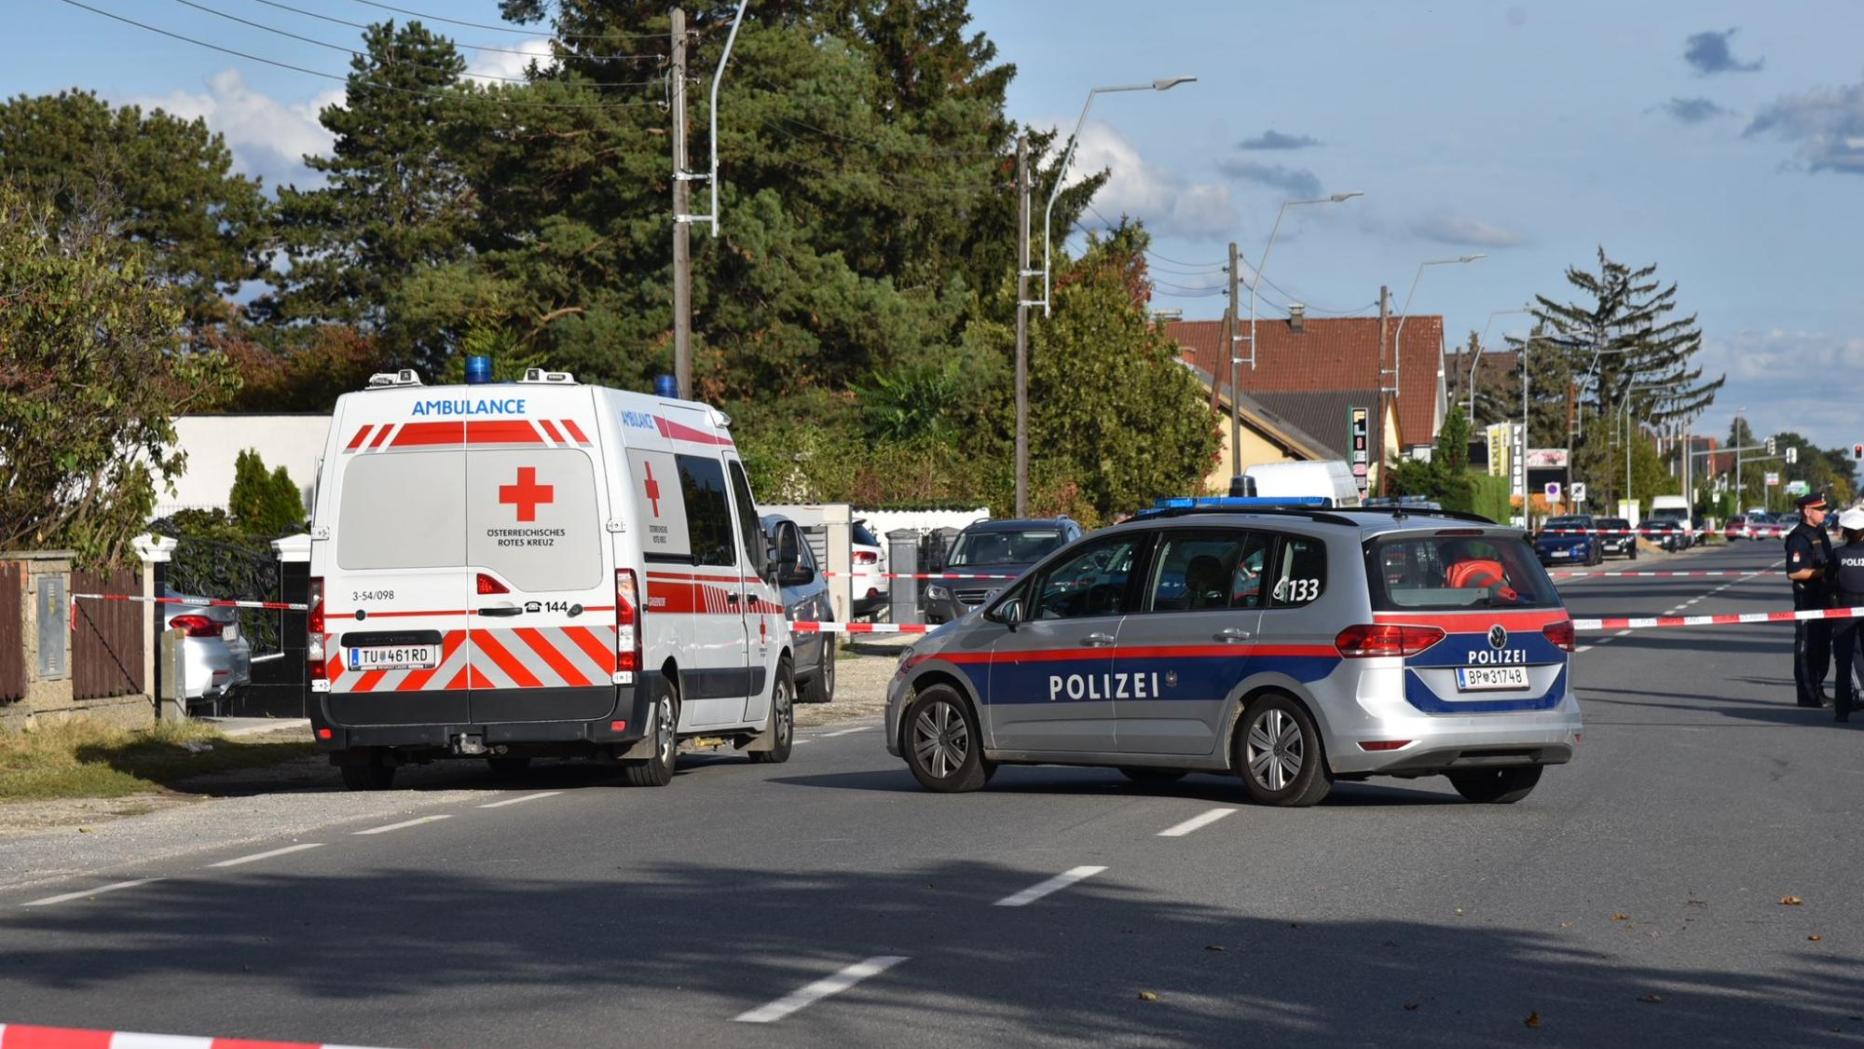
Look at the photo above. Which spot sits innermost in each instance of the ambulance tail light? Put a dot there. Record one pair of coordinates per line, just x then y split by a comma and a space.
1368, 640
1561, 634
485, 584
627, 621
314, 626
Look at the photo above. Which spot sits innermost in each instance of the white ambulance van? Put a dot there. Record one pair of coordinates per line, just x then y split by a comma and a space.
539, 568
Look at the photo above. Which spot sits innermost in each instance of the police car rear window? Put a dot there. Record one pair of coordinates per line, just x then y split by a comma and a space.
1446, 573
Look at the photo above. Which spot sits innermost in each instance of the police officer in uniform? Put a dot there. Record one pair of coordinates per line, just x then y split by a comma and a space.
1848, 585
1808, 557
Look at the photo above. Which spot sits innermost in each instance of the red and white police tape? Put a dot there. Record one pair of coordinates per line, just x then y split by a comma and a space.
1649, 575
812, 626
20, 1036
923, 575
196, 602
1647, 622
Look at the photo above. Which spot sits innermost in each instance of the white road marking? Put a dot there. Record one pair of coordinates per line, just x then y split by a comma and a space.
844, 732
403, 824
1203, 820
257, 856
803, 997
98, 891
520, 800
1055, 884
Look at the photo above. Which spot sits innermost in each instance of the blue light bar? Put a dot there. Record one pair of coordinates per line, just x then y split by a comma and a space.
1240, 502
478, 370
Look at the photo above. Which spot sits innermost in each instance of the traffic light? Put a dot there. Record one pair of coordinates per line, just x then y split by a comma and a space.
1792, 455
1857, 451
1770, 450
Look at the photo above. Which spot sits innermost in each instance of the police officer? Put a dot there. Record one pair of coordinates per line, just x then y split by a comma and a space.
1808, 556
1848, 586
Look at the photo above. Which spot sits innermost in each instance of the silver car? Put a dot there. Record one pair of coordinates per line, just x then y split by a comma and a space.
1292, 646
216, 658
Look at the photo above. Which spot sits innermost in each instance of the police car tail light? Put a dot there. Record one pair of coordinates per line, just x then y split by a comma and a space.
1368, 640
1561, 634
627, 620
314, 626
487, 585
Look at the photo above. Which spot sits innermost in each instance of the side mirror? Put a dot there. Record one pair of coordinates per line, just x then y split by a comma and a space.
1009, 613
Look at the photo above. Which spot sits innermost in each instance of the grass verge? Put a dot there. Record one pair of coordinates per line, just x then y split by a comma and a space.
78, 759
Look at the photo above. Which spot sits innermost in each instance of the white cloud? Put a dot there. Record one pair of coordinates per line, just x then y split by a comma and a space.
1828, 125
490, 66
1467, 232
1776, 376
1167, 203
268, 138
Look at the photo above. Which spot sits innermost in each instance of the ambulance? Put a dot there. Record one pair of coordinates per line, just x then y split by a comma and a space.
539, 569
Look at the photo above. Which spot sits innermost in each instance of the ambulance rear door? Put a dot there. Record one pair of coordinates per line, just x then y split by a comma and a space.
396, 601
542, 628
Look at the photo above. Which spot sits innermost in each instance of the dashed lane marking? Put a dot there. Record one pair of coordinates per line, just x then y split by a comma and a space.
521, 799
403, 825
257, 856
1201, 820
844, 732
65, 897
1044, 888
808, 995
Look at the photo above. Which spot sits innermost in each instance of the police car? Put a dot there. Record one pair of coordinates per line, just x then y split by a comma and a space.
539, 568
1290, 644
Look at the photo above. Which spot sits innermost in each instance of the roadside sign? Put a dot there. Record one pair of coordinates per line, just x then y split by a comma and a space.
1797, 488
1359, 430
1553, 491
1772, 479
1579, 491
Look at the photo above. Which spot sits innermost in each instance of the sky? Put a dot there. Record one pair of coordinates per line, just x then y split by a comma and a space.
1722, 141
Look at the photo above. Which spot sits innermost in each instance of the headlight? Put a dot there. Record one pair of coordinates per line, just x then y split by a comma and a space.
936, 592
906, 658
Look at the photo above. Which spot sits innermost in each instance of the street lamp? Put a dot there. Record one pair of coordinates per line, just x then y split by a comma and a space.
1236, 412
1398, 337
1162, 84
1476, 357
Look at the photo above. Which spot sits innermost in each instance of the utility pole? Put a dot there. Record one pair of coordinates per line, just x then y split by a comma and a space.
1022, 326
1229, 347
1385, 314
682, 231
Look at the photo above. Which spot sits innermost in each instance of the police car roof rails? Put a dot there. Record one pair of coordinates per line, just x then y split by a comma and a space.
391, 380
539, 375
1312, 507
1415, 511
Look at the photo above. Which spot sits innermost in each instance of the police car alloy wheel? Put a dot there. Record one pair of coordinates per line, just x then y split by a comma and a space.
782, 718
1279, 754
1503, 786
942, 744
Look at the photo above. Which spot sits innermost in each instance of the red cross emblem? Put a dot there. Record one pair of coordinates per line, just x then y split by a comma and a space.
526, 494
653, 489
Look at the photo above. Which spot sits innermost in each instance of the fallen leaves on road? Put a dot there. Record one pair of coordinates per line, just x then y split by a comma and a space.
1566, 925
1620, 916
1533, 1020
1815, 937
1411, 1007
1791, 901
1650, 999
1148, 996
1213, 947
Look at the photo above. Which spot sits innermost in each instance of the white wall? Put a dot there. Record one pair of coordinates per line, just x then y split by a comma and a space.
213, 442
880, 522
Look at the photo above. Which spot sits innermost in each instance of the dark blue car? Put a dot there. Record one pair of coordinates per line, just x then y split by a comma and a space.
1569, 540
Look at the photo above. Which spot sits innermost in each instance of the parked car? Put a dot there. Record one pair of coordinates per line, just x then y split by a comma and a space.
1765, 526
1572, 540
996, 551
868, 582
1668, 535
1737, 528
1616, 538
805, 597
1700, 528
216, 658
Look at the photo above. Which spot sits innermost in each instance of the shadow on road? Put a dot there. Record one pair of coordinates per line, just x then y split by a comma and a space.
420, 956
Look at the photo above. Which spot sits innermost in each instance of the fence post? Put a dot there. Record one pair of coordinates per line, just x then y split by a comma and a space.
903, 562
174, 702
155, 552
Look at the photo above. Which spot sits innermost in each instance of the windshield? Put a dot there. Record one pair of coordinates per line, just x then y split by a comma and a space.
1613, 522
861, 535
1451, 572
1004, 546
1569, 522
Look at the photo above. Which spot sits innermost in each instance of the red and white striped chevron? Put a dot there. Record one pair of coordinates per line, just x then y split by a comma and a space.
502, 657
21, 1036
544, 433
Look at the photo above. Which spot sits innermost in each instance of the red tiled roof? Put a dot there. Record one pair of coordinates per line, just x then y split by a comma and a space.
1331, 353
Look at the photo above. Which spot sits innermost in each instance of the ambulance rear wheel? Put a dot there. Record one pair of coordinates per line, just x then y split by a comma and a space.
368, 777
1496, 786
663, 728
782, 718
944, 749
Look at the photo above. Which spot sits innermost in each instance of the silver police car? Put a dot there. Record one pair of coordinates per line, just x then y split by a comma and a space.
1291, 644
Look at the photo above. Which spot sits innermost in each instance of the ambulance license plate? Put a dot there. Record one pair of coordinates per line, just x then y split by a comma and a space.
1484, 679
398, 657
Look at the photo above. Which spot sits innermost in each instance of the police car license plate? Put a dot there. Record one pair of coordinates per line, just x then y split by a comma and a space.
398, 657
1483, 679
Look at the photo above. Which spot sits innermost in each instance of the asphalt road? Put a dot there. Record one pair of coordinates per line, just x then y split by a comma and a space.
1634, 899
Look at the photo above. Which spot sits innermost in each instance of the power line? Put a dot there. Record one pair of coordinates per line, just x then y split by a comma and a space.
487, 27
470, 47
364, 54
526, 103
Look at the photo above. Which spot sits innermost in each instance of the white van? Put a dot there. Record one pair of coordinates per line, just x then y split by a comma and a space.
536, 569
1329, 479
